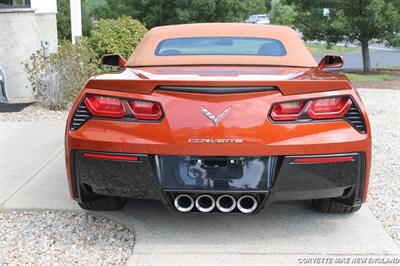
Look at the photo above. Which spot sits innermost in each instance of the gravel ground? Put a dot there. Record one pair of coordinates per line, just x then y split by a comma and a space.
388, 84
33, 112
384, 189
58, 238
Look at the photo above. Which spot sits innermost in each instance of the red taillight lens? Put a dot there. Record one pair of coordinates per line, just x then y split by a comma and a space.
328, 108
289, 111
105, 106
145, 110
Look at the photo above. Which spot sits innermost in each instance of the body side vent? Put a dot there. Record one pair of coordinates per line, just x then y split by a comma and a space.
355, 119
81, 115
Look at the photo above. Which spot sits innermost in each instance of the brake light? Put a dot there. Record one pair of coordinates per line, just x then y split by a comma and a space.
288, 111
145, 110
324, 108
105, 106
329, 108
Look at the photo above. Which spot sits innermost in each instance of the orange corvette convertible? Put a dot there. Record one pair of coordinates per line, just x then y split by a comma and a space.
219, 118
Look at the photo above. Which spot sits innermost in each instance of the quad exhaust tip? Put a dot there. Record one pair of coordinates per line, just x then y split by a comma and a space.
247, 204
184, 203
226, 203
205, 203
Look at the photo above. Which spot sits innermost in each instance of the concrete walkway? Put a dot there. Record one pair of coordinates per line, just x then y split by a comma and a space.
31, 155
33, 177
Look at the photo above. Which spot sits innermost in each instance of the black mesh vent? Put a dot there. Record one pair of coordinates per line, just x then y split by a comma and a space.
81, 115
354, 118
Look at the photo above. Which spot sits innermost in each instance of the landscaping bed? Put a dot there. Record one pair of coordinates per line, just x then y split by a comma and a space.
59, 238
384, 189
33, 112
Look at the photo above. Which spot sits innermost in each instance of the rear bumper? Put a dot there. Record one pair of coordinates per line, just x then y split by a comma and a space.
270, 178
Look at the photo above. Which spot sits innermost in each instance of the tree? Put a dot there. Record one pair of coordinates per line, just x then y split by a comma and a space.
282, 14
164, 12
358, 21
88, 9
159, 12
63, 20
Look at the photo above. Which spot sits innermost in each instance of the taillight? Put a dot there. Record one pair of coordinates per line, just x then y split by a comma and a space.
288, 111
145, 110
329, 108
323, 108
105, 106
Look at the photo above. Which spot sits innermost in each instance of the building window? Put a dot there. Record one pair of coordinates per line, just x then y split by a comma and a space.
15, 3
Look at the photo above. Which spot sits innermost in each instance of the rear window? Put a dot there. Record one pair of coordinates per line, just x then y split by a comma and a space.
220, 46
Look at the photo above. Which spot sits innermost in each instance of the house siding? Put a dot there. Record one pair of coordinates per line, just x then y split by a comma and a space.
21, 32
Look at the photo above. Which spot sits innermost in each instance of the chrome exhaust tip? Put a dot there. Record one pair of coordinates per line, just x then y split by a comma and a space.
184, 203
205, 203
247, 204
226, 203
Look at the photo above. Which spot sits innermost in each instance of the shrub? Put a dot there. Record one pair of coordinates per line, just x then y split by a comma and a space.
57, 79
119, 36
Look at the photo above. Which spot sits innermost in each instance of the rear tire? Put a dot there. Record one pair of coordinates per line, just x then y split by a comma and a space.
103, 204
332, 206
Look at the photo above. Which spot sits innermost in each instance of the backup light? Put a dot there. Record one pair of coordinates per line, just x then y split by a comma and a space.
288, 111
145, 110
105, 106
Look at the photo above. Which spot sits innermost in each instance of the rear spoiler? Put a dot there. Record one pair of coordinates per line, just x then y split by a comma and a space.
286, 87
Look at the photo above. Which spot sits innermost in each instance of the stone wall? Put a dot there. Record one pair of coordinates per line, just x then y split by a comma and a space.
21, 31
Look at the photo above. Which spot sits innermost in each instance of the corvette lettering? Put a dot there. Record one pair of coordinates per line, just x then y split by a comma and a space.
237, 141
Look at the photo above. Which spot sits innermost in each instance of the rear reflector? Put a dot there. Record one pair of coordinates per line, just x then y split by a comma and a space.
324, 159
110, 157
329, 108
105, 106
145, 110
288, 111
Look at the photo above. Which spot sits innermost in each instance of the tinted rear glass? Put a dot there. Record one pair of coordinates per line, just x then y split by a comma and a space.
220, 46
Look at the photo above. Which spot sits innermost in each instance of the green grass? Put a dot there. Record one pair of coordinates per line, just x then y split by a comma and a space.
320, 49
370, 78
390, 68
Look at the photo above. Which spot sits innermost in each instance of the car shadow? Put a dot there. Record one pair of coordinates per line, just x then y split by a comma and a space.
285, 227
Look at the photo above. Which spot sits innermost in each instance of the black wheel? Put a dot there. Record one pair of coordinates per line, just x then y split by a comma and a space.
332, 206
103, 204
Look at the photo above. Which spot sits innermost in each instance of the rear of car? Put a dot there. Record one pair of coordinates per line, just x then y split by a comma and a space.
212, 122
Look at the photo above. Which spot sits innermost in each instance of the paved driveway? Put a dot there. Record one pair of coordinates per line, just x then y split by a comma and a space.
33, 177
